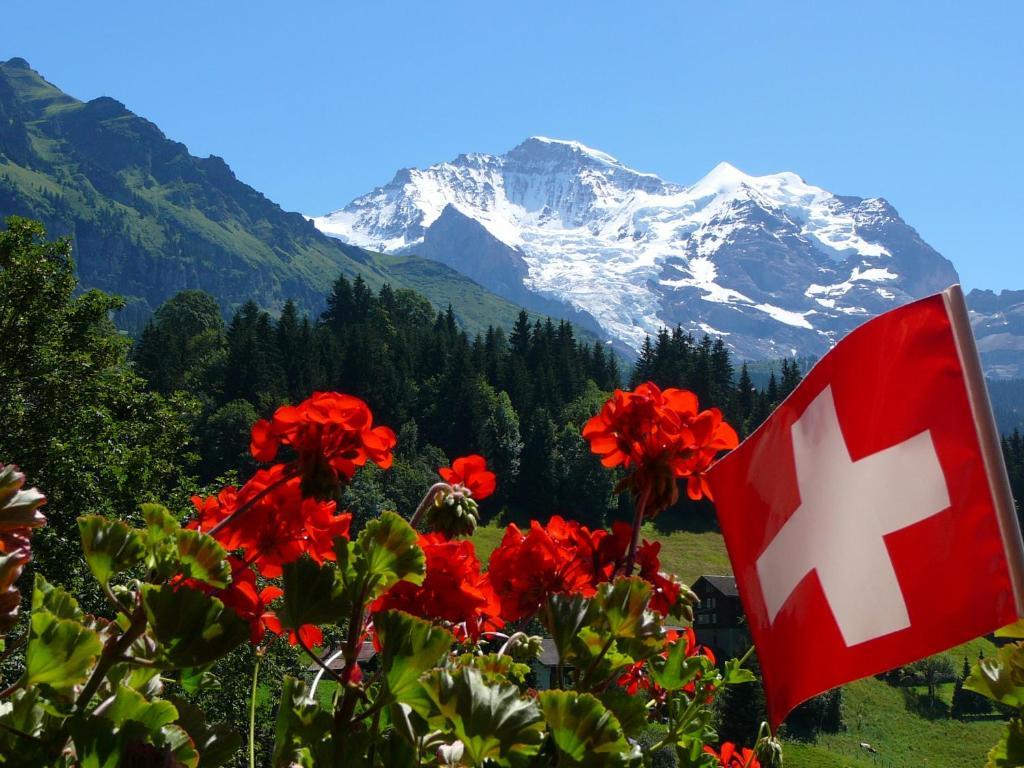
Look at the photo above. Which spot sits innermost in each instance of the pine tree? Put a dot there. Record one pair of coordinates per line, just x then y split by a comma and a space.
644, 368
290, 353
341, 306
744, 398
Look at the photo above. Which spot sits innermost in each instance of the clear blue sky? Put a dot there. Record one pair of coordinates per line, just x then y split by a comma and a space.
314, 103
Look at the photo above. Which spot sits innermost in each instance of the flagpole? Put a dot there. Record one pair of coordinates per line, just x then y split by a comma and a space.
988, 439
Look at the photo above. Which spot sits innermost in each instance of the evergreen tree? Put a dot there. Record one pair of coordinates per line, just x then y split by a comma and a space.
644, 368
965, 702
341, 305
536, 492
745, 397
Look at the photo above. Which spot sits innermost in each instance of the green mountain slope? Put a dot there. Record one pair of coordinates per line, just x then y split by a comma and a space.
148, 219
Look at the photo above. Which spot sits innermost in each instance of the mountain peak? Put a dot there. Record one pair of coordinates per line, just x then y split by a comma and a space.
545, 143
724, 177
17, 63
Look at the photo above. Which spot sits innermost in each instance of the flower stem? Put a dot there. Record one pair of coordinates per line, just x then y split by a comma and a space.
324, 666
293, 472
427, 501
252, 709
110, 655
347, 704
638, 519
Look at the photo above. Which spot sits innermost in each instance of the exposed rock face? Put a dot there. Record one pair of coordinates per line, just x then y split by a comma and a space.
998, 321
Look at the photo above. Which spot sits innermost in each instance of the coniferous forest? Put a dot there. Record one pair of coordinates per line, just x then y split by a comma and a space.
518, 397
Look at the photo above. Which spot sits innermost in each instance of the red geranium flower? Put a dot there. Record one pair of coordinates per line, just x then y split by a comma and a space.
453, 589
470, 472
332, 434
661, 437
250, 605
310, 634
732, 756
667, 587
280, 525
527, 567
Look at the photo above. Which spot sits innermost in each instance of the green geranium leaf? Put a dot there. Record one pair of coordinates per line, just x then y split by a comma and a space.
492, 721
193, 628
62, 604
563, 616
624, 609
734, 673
215, 742
161, 540
1009, 751
1015, 630
677, 669
585, 732
313, 594
144, 679
597, 655
179, 744
97, 745
60, 653
110, 546
160, 523
409, 647
203, 558
24, 713
630, 711
1000, 678
302, 736
193, 680
390, 552
132, 705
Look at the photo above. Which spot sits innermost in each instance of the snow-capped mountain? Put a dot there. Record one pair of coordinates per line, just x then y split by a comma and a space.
773, 264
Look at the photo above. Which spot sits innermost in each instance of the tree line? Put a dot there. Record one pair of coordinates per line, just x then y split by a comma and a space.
519, 397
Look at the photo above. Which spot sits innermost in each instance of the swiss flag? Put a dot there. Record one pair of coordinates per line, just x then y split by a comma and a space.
869, 520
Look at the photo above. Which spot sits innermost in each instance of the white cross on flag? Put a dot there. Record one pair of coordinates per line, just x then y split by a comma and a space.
869, 520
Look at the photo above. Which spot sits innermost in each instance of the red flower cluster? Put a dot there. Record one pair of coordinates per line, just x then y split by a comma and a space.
567, 557
332, 435
279, 515
660, 436
527, 567
453, 589
277, 525
471, 473
732, 756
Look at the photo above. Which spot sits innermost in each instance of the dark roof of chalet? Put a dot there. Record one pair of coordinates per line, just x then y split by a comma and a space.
724, 584
366, 652
548, 652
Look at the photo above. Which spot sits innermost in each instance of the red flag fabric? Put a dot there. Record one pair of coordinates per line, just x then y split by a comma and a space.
869, 520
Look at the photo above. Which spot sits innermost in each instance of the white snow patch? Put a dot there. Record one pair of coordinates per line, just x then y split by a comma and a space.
796, 319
